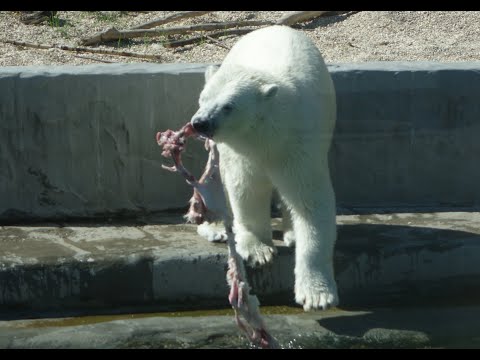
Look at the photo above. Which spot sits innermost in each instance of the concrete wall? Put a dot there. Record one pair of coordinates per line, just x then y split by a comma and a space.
79, 141
407, 134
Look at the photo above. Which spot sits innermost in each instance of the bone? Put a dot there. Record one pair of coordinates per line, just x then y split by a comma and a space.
243, 303
208, 203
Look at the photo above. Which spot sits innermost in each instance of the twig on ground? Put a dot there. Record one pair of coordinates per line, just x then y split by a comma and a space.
294, 17
199, 39
112, 33
92, 58
170, 18
84, 49
216, 42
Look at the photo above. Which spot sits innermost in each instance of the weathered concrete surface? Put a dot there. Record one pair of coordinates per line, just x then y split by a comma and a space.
79, 141
406, 134
447, 327
159, 263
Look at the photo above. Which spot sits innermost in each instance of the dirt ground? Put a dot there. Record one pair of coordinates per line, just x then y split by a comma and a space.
348, 37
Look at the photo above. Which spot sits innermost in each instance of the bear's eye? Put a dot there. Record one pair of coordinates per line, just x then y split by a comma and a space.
227, 108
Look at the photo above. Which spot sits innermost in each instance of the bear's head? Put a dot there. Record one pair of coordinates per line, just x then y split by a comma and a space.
234, 102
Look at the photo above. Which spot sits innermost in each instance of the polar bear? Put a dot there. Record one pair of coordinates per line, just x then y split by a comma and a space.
271, 109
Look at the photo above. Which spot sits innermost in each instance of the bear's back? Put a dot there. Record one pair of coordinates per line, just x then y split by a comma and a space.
280, 51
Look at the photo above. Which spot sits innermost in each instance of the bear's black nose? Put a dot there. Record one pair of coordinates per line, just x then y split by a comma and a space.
202, 126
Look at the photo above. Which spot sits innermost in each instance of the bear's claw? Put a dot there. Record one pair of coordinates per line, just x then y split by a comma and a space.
320, 297
256, 253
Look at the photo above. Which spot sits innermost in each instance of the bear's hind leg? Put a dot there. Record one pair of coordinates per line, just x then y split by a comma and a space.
287, 225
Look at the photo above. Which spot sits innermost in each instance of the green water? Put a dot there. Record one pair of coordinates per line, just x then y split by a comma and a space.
95, 319
410, 337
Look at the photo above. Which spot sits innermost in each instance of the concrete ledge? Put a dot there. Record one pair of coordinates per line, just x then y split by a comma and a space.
79, 141
380, 260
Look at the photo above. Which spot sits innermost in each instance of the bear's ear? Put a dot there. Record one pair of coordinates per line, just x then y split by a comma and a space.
269, 90
210, 71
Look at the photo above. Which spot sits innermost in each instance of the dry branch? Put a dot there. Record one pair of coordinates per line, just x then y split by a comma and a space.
199, 39
170, 18
84, 49
113, 34
216, 42
93, 58
294, 17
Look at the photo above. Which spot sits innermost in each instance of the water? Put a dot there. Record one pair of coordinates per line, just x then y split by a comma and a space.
426, 327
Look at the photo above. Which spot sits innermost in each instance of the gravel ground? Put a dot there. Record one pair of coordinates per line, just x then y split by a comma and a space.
353, 37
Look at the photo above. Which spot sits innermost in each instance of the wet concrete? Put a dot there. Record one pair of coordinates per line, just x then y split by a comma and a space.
443, 327
157, 263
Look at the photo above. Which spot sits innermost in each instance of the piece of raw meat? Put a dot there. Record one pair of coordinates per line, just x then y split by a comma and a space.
208, 203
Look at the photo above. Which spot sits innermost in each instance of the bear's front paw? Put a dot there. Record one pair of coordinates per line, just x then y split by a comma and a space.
211, 232
255, 252
316, 295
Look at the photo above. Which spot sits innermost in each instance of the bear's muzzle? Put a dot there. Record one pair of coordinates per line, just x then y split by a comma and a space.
203, 126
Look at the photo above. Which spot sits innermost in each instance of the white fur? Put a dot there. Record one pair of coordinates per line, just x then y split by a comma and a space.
272, 106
